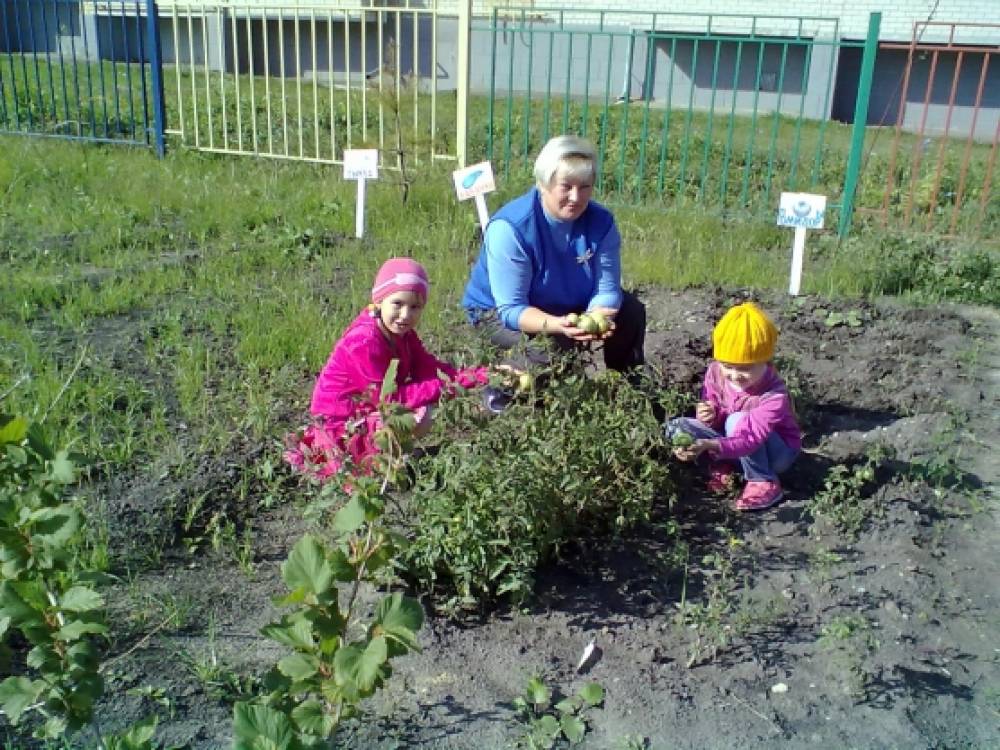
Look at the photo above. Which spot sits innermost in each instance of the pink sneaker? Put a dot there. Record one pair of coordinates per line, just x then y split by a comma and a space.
721, 478
758, 495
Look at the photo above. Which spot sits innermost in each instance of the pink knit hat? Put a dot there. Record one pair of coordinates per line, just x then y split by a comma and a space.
400, 275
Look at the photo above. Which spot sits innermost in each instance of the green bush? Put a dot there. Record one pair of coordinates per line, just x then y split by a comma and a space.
580, 459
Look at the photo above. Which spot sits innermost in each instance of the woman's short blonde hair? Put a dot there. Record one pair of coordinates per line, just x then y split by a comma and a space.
569, 156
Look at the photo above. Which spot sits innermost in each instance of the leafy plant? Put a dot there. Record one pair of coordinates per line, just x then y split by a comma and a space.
333, 667
42, 596
548, 724
46, 598
487, 510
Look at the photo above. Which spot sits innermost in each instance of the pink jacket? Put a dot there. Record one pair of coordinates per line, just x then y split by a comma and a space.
348, 386
766, 406
347, 392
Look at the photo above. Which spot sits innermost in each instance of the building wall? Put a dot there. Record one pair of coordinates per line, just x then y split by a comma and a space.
898, 16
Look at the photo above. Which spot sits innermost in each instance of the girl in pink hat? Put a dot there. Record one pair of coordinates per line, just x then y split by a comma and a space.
345, 398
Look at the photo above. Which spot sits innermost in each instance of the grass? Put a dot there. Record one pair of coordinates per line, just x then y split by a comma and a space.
209, 289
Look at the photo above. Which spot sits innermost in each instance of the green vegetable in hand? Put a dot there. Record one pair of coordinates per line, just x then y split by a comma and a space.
681, 440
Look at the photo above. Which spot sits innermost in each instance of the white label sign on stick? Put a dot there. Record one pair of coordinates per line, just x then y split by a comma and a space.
801, 210
361, 164
474, 182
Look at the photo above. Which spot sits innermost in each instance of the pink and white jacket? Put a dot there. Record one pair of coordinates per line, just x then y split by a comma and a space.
766, 408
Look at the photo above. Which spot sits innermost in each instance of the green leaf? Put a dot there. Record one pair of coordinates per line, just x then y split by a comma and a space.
294, 633
350, 517
307, 568
389, 381
12, 429
341, 566
548, 725
310, 717
399, 616
299, 666
76, 629
573, 727
354, 666
566, 706
16, 694
592, 693
38, 443
258, 727
537, 693
56, 526
62, 469
81, 599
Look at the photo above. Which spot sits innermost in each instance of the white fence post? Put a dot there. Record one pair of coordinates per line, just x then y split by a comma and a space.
462, 74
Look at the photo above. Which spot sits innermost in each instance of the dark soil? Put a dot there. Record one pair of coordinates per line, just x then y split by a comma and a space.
816, 639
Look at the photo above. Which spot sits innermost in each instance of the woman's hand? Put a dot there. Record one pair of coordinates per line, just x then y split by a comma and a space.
691, 452
578, 334
704, 412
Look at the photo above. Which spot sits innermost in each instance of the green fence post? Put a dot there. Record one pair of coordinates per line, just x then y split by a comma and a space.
860, 122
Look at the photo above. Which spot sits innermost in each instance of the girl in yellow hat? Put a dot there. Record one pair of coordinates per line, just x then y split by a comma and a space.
745, 413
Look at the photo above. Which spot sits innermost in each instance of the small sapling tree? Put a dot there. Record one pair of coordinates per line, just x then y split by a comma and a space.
337, 662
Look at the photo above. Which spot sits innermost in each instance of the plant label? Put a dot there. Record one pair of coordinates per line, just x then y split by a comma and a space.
360, 164
802, 211
474, 182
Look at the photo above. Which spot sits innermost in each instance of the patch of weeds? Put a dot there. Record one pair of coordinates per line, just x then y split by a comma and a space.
709, 618
154, 695
551, 724
924, 268
832, 318
633, 742
218, 680
843, 499
146, 610
822, 562
850, 641
672, 552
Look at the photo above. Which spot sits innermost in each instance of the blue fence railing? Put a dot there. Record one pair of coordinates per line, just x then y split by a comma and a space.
87, 71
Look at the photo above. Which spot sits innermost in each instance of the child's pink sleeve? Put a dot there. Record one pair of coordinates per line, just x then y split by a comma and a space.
711, 391
470, 377
426, 365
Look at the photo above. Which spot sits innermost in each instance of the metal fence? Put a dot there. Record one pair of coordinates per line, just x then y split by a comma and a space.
724, 110
719, 110
936, 174
308, 81
79, 70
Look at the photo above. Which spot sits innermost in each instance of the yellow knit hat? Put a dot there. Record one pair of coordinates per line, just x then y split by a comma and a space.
744, 336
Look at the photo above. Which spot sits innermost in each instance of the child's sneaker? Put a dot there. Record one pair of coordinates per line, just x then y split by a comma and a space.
758, 495
721, 478
495, 400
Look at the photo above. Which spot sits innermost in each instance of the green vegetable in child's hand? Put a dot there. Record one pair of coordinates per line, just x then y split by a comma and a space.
525, 382
681, 440
573, 319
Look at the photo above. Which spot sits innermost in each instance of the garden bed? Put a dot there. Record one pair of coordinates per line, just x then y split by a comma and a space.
860, 612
